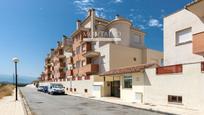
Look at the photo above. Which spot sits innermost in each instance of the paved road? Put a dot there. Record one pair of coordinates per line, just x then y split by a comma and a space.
45, 104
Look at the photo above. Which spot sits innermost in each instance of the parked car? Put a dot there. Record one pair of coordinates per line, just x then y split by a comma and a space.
45, 89
40, 88
55, 88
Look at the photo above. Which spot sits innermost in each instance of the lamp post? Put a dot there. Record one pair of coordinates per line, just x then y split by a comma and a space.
16, 60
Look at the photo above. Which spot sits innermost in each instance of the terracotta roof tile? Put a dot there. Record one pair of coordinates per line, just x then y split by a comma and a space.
130, 69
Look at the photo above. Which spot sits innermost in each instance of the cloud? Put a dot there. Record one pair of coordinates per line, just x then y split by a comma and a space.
132, 10
84, 5
142, 27
100, 12
154, 23
117, 1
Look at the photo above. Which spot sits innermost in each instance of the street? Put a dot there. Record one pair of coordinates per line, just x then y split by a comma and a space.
45, 104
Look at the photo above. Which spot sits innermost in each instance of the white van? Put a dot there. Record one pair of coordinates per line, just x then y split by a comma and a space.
56, 88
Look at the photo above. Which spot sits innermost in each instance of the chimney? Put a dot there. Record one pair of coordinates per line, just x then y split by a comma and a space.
58, 43
91, 12
52, 50
78, 24
117, 17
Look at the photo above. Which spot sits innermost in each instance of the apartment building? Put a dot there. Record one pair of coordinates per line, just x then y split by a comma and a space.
57, 62
180, 81
90, 60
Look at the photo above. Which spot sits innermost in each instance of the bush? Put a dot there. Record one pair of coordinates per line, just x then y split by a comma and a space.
6, 90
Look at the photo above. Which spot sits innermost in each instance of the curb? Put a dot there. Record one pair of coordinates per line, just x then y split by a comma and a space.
151, 110
27, 110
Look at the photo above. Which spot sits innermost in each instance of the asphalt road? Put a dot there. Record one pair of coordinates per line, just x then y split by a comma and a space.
45, 104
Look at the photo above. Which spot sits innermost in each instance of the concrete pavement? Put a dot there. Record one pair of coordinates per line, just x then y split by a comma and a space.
8, 106
45, 104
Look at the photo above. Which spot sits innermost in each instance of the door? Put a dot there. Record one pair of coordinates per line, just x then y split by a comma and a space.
97, 90
138, 97
115, 88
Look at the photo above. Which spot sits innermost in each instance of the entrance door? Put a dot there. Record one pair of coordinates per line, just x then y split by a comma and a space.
115, 88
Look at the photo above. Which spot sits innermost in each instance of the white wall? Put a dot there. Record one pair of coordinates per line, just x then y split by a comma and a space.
183, 53
80, 85
128, 94
189, 85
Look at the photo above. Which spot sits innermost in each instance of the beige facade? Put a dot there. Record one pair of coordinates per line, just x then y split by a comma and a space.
187, 84
181, 53
91, 59
180, 82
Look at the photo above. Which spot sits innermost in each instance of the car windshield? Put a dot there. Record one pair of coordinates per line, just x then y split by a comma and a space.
57, 86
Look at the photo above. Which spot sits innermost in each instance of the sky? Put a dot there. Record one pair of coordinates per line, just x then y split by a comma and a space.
30, 28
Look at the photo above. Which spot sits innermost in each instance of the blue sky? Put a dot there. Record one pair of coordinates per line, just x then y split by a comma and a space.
29, 28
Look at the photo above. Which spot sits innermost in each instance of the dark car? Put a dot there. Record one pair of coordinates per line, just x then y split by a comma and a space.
45, 89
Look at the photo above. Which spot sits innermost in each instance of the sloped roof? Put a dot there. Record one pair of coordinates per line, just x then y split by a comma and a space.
192, 3
130, 69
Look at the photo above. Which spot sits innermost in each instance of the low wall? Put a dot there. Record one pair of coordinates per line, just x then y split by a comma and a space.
189, 84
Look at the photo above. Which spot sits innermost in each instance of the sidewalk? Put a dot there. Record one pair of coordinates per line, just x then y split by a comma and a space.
8, 106
157, 108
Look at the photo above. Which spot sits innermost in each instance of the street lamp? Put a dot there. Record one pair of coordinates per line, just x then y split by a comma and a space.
16, 60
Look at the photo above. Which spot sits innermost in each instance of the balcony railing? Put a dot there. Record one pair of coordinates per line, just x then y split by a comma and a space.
169, 69
62, 75
79, 78
62, 64
75, 71
198, 41
86, 47
89, 69
69, 72
87, 78
202, 66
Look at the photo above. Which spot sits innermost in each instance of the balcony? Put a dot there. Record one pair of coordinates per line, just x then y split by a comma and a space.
48, 71
89, 69
69, 72
202, 66
169, 69
70, 60
198, 43
62, 75
62, 64
75, 71
60, 53
88, 52
91, 54
196, 7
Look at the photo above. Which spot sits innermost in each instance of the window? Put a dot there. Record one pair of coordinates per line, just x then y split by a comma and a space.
78, 64
202, 66
174, 99
86, 90
127, 81
183, 36
83, 47
83, 63
78, 50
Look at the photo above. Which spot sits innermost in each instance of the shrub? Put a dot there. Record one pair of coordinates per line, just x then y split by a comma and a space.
6, 90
